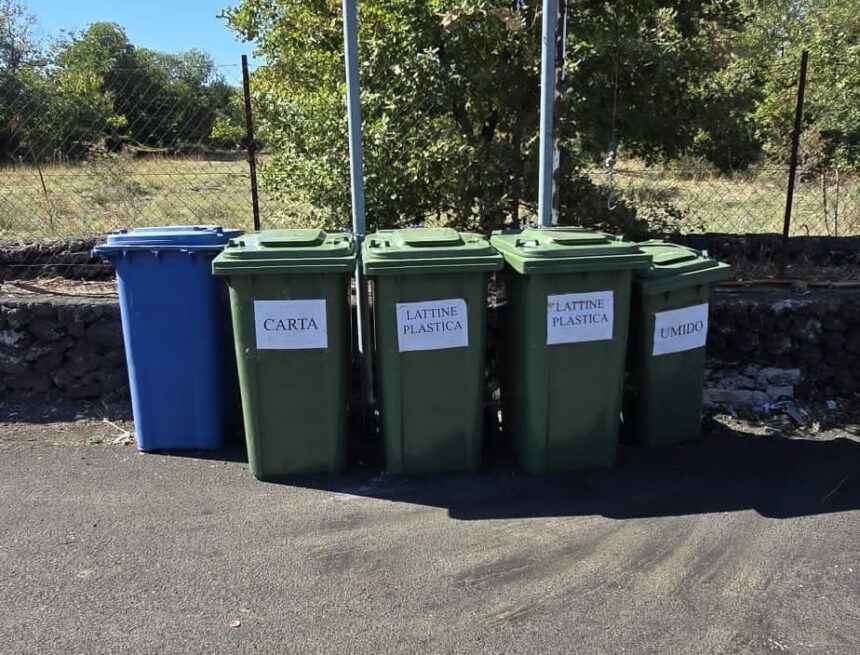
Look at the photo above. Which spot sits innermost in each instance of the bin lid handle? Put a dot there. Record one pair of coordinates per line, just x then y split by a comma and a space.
674, 256
580, 241
527, 243
291, 238
429, 237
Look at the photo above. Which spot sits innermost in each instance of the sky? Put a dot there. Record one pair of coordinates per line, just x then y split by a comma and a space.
171, 26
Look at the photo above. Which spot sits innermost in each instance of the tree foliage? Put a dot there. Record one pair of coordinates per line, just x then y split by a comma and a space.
97, 90
18, 44
778, 31
450, 98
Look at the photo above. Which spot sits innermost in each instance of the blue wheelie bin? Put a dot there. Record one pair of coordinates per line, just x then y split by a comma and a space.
178, 340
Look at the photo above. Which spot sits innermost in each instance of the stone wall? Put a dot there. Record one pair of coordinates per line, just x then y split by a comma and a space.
811, 251
817, 332
71, 347
62, 347
71, 257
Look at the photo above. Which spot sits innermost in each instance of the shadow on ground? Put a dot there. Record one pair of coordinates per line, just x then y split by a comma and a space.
724, 471
727, 470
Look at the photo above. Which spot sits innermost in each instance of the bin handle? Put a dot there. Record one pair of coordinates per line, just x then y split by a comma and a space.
527, 243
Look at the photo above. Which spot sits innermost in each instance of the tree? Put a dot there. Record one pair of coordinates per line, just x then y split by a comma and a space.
450, 98
184, 97
19, 51
95, 90
777, 33
160, 100
18, 45
75, 115
229, 129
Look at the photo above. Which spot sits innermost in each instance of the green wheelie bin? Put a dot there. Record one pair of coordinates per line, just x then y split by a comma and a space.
429, 312
291, 323
564, 342
666, 356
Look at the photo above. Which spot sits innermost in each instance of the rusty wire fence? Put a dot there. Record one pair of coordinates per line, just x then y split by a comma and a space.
694, 198
83, 153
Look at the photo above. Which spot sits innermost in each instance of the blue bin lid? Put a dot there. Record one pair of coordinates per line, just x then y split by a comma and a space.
175, 236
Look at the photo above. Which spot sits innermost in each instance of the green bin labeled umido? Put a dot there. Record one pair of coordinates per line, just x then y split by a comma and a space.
563, 344
666, 357
291, 321
429, 311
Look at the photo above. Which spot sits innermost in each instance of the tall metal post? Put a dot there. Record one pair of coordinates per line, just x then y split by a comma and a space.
356, 176
792, 169
252, 145
353, 114
560, 48
547, 103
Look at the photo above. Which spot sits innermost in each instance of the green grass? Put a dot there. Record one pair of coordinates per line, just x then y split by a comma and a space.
96, 197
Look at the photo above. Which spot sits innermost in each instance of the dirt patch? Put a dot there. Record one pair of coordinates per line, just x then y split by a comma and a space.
821, 421
65, 423
102, 424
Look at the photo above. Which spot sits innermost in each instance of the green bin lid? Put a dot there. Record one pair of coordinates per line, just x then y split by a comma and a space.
287, 251
675, 267
427, 250
566, 250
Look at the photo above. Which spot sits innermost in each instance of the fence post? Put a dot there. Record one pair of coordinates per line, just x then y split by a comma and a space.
252, 146
792, 168
560, 47
547, 104
359, 225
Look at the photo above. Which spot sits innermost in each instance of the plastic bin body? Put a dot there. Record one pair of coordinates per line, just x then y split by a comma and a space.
175, 320
663, 400
294, 388
561, 398
430, 385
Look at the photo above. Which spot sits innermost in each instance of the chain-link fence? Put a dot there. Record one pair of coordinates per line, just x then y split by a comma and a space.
86, 152
694, 198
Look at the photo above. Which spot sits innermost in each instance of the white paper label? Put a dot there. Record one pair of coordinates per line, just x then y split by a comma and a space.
575, 317
680, 329
432, 325
290, 324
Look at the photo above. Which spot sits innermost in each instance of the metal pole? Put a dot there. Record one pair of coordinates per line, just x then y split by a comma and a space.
547, 102
560, 47
792, 169
350, 40
356, 176
252, 146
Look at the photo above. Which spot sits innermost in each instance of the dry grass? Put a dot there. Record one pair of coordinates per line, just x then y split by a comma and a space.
113, 192
752, 202
99, 196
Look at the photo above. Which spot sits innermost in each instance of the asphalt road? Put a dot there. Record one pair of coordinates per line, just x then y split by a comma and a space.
734, 544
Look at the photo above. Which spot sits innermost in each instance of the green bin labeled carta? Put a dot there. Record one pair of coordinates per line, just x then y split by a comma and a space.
429, 311
563, 345
666, 357
291, 322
